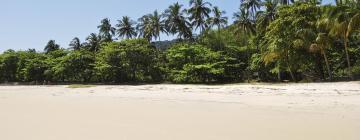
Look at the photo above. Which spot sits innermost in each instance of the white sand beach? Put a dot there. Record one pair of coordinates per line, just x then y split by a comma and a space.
308, 111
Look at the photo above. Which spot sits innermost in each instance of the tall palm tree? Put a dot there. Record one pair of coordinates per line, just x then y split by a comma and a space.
321, 42
126, 28
157, 25
218, 19
176, 22
51, 46
93, 42
251, 5
265, 17
144, 27
284, 2
106, 31
75, 44
244, 22
151, 25
199, 12
347, 19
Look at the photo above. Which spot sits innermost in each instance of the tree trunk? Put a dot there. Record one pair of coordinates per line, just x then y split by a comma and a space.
348, 58
289, 67
134, 74
279, 75
327, 64
319, 65
292, 74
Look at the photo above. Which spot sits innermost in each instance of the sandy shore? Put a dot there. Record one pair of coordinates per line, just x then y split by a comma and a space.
316, 111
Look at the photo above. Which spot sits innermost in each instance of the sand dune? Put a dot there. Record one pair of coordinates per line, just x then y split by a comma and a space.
316, 111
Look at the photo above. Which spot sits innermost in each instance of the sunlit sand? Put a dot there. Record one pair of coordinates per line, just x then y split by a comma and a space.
317, 111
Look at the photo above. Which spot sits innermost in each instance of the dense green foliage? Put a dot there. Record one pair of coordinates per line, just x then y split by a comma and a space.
268, 41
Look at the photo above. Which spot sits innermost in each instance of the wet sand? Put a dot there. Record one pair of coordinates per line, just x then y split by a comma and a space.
316, 111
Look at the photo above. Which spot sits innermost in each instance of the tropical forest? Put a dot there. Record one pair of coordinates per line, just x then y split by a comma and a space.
269, 41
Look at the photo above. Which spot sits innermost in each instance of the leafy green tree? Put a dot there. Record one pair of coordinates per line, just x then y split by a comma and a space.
232, 49
9, 60
2, 77
77, 66
128, 61
199, 12
34, 68
55, 73
51, 46
194, 63
106, 31
126, 28
283, 46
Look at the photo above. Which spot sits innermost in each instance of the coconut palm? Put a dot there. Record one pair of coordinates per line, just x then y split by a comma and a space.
51, 46
322, 38
347, 19
144, 27
93, 42
106, 31
244, 22
251, 5
322, 41
199, 12
151, 25
75, 44
284, 2
176, 22
157, 25
218, 19
265, 17
126, 28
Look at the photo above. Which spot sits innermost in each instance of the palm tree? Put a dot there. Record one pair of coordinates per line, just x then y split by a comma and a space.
218, 19
51, 46
176, 22
347, 19
157, 24
144, 27
93, 42
251, 5
151, 25
106, 31
125, 28
284, 2
75, 44
321, 42
199, 12
244, 22
265, 17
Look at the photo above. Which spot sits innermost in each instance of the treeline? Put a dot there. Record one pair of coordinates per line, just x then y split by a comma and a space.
269, 41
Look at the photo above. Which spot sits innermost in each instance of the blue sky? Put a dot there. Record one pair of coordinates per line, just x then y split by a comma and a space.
31, 23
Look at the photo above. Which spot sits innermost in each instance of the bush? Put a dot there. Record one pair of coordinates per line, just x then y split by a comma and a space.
194, 64
128, 61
